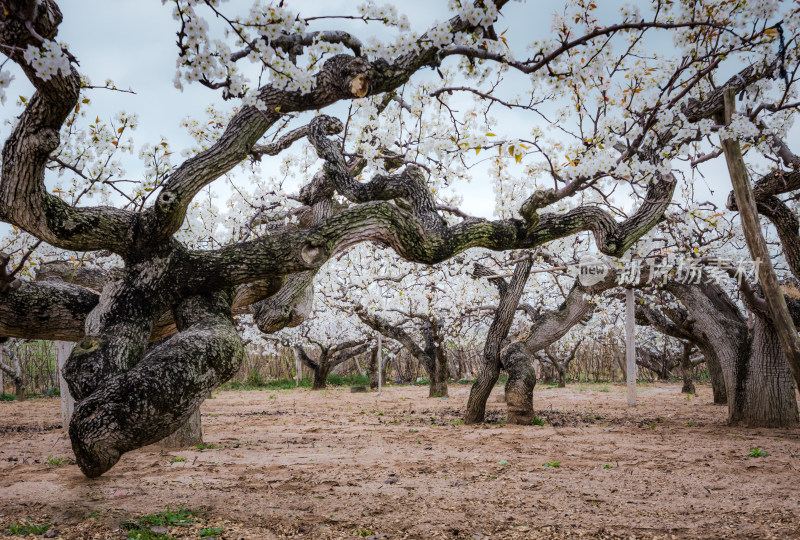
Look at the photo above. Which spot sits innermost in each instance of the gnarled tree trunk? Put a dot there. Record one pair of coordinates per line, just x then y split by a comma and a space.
758, 383
510, 294
520, 384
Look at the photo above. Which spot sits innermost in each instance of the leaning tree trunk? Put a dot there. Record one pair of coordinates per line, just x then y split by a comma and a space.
520, 384
480, 391
145, 404
686, 369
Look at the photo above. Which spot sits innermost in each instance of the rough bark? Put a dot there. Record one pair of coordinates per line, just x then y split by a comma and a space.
755, 371
148, 402
520, 384
658, 363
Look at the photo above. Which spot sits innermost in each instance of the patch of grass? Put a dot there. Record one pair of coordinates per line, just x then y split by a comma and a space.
538, 421
181, 517
204, 446
29, 527
177, 460
363, 532
7, 397
553, 464
605, 389
413, 431
608, 466
259, 383
757, 452
146, 534
206, 533
502, 463
57, 461
458, 422
255, 379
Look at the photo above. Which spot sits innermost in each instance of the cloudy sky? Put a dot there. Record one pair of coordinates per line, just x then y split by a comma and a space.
133, 43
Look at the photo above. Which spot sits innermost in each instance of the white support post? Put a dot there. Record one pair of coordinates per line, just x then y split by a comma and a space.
380, 364
62, 351
298, 370
630, 345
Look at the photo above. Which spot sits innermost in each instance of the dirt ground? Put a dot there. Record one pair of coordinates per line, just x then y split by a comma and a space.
334, 464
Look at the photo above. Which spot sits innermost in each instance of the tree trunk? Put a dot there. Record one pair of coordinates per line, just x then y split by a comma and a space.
758, 383
562, 376
547, 373
372, 368
189, 434
439, 375
19, 389
686, 369
520, 384
480, 391
320, 377
768, 391
717, 377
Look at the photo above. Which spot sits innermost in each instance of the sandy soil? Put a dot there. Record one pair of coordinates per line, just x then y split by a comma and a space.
333, 464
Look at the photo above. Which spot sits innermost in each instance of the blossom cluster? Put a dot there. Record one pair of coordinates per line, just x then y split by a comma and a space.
47, 60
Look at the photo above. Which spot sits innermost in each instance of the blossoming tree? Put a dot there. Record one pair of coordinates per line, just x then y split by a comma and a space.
603, 112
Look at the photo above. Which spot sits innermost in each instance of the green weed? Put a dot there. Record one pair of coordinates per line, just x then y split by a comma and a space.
29, 527
757, 452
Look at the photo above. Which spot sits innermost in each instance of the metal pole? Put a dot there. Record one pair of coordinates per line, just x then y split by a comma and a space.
630, 345
380, 364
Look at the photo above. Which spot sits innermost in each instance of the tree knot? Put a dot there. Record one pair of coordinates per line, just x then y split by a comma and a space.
313, 254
